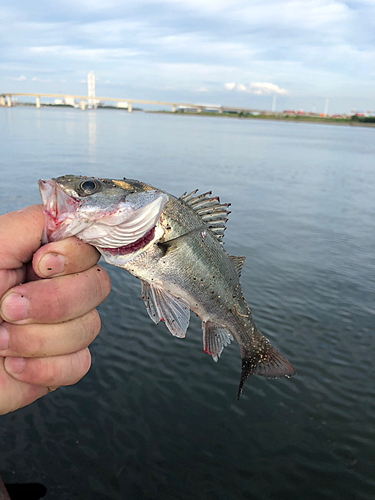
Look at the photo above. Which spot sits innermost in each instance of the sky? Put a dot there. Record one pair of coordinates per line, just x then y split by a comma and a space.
227, 52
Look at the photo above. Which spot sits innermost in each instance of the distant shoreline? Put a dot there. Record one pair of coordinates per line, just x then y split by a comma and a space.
282, 118
239, 116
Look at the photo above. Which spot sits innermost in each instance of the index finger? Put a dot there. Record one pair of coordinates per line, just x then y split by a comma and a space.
64, 257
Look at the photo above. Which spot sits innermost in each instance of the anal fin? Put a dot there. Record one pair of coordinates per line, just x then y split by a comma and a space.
215, 339
161, 305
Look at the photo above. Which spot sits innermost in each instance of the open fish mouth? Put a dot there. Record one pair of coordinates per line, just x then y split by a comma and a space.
122, 228
58, 207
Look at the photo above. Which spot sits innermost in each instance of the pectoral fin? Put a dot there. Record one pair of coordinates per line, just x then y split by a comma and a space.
161, 305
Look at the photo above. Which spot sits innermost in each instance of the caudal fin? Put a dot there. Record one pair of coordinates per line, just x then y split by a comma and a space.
266, 361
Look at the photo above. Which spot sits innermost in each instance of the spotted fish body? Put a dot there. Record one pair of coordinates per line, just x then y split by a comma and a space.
174, 246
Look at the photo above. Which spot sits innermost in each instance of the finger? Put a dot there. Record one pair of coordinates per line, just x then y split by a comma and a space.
53, 371
64, 257
57, 299
42, 340
21, 234
15, 394
10, 278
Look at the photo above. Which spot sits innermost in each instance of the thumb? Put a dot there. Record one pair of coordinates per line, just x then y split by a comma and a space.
21, 234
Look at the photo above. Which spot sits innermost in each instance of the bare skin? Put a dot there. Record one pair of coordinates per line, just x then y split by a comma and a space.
48, 297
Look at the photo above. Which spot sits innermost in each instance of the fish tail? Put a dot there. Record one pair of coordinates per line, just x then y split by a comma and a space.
263, 359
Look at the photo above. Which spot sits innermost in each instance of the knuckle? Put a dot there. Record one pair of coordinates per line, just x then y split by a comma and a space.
90, 326
59, 370
80, 365
104, 282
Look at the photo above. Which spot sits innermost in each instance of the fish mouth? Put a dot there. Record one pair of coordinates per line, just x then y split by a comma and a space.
58, 207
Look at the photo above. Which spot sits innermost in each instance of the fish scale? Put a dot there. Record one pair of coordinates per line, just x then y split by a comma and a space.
174, 246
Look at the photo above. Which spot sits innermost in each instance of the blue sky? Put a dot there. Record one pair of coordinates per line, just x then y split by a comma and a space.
231, 52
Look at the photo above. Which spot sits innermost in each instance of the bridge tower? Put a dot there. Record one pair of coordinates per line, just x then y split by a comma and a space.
91, 90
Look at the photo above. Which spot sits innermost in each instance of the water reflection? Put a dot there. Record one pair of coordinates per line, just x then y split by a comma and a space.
92, 136
38, 121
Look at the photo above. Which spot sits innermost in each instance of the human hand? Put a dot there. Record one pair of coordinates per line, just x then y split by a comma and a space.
45, 324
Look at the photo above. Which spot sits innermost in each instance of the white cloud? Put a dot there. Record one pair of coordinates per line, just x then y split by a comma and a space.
79, 54
266, 89
19, 79
241, 87
41, 80
257, 88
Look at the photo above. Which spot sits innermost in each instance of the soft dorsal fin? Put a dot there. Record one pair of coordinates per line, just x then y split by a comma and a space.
238, 263
213, 213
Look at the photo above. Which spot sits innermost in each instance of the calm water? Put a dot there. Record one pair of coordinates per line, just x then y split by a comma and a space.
155, 418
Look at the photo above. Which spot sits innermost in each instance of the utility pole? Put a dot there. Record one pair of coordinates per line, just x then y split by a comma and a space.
274, 103
326, 107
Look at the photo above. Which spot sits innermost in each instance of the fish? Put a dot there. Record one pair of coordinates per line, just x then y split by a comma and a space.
175, 247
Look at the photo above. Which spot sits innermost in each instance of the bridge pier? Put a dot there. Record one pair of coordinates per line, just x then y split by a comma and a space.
220, 111
83, 104
173, 108
199, 110
37, 101
9, 102
2, 101
130, 107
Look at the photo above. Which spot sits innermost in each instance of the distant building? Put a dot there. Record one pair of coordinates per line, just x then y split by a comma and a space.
67, 101
122, 105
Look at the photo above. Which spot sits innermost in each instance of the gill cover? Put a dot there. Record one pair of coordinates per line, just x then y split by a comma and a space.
109, 233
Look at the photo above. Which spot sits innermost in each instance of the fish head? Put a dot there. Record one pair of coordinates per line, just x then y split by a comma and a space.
112, 215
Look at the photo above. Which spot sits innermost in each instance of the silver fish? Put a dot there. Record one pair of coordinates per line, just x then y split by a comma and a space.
174, 246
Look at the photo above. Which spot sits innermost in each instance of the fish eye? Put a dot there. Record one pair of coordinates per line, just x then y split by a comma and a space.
89, 186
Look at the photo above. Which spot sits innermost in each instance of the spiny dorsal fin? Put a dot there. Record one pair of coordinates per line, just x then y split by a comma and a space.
238, 263
213, 213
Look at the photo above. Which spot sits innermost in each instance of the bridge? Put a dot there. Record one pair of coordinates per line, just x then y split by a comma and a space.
6, 101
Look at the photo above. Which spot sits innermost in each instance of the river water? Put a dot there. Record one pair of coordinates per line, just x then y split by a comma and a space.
155, 418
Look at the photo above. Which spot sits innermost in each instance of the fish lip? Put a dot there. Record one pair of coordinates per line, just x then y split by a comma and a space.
58, 206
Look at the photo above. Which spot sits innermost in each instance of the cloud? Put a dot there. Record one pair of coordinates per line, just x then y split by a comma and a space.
41, 80
241, 87
314, 48
257, 88
266, 89
19, 79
